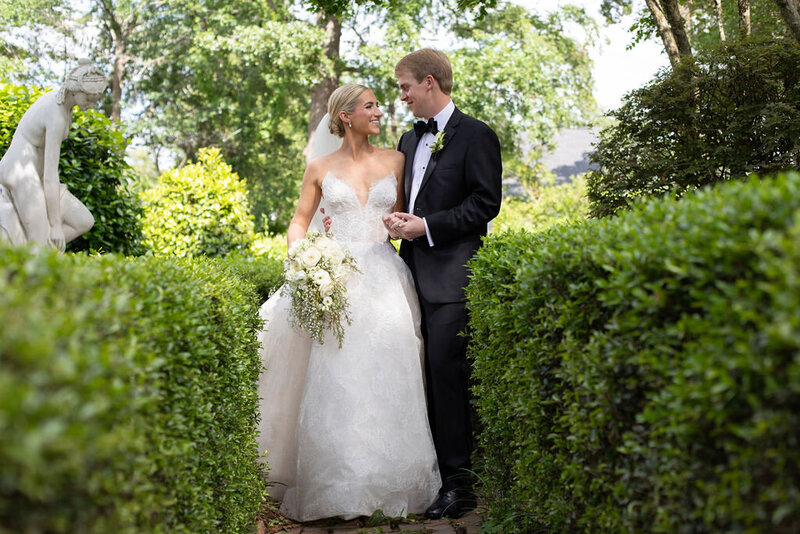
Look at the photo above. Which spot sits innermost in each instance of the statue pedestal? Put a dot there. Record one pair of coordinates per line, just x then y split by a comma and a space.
10, 228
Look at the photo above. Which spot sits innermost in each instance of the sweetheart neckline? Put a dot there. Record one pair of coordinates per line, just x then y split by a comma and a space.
353, 189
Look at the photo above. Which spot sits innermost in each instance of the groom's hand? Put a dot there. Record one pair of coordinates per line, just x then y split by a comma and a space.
405, 225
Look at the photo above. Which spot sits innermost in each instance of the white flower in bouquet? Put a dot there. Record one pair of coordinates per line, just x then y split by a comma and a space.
340, 271
310, 256
316, 270
320, 277
331, 250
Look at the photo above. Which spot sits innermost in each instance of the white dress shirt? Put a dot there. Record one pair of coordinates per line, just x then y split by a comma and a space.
423, 157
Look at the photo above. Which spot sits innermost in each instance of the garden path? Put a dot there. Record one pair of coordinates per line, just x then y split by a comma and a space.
469, 524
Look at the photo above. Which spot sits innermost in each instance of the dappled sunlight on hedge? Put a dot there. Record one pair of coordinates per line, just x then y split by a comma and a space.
640, 374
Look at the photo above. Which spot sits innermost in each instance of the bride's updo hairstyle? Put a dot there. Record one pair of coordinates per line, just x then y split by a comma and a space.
344, 99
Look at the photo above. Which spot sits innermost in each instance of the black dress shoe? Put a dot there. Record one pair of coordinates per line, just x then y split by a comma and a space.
452, 504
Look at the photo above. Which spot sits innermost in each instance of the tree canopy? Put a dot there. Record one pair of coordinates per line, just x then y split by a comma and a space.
246, 75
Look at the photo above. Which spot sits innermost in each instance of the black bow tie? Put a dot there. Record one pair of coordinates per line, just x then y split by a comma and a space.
420, 127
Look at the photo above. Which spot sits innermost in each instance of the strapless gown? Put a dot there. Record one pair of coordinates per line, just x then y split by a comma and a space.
346, 430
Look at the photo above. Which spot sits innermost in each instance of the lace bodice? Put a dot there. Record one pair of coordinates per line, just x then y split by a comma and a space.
352, 221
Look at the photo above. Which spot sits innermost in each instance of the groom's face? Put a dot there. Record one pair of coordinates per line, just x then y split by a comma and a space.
416, 95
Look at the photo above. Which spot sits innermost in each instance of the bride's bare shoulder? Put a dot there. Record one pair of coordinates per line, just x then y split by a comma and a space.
317, 169
392, 157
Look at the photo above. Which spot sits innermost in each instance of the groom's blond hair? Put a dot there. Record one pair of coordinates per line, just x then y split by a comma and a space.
428, 61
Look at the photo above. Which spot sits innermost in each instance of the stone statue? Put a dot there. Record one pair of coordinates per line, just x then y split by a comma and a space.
34, 206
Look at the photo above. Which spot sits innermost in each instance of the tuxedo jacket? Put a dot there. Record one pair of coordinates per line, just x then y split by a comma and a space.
460, 193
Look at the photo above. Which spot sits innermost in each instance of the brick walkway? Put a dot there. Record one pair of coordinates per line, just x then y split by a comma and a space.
469, 524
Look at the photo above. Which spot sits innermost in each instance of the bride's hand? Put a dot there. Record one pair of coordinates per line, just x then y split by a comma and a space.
326, 221
389, 222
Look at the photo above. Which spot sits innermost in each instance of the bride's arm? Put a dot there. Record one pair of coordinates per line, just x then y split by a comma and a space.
310, 195
399, 162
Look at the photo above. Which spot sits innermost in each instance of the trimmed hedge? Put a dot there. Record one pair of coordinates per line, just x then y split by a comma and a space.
264, 273
127, 395
198, 210
642, 373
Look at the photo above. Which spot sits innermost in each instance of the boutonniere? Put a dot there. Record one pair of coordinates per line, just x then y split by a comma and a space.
438, 142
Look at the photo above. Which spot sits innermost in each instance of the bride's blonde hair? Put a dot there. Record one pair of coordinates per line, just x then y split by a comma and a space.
344, 99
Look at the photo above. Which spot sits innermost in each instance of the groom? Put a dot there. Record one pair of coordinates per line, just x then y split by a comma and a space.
452, 190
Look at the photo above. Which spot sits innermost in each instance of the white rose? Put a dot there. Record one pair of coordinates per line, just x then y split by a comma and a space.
321, 277
299, 276
327, 302
326, 289
336, 255
310, 257
341, 271
297, 246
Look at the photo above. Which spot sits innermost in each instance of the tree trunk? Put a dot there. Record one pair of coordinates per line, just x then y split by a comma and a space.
686, 12
720, 25
790, 14
665, 32
117, 79
744, 17
118, 26
672, 11
323, 90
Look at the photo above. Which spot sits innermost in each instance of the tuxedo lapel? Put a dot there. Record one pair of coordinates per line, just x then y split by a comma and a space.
449, 132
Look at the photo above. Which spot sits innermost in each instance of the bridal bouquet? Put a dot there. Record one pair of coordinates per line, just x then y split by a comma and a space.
316, 270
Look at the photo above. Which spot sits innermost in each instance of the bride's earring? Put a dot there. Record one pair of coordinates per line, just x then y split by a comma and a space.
350, 124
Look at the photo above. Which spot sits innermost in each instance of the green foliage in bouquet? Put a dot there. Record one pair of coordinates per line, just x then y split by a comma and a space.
198, 210
641, 373
93, 167
127, 395
728, 112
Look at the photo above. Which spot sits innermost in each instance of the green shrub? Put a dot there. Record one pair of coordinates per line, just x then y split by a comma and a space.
93, 167
263, 273
200, 209
641, 373
273, 245
127, 395
547, 205
726, 113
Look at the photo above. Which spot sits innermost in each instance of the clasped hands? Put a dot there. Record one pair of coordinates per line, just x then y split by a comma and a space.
400, 225
404, 225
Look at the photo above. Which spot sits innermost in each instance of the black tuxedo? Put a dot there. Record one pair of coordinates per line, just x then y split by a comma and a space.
459, 194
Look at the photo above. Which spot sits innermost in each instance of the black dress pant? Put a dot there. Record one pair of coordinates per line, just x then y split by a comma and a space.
447, 378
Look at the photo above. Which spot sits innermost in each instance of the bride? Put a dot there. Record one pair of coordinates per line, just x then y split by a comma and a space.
346, 429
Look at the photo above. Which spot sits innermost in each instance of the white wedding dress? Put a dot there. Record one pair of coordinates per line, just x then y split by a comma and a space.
346, 429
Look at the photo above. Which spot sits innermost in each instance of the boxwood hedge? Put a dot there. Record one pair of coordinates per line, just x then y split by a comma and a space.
642, 373
127, 395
